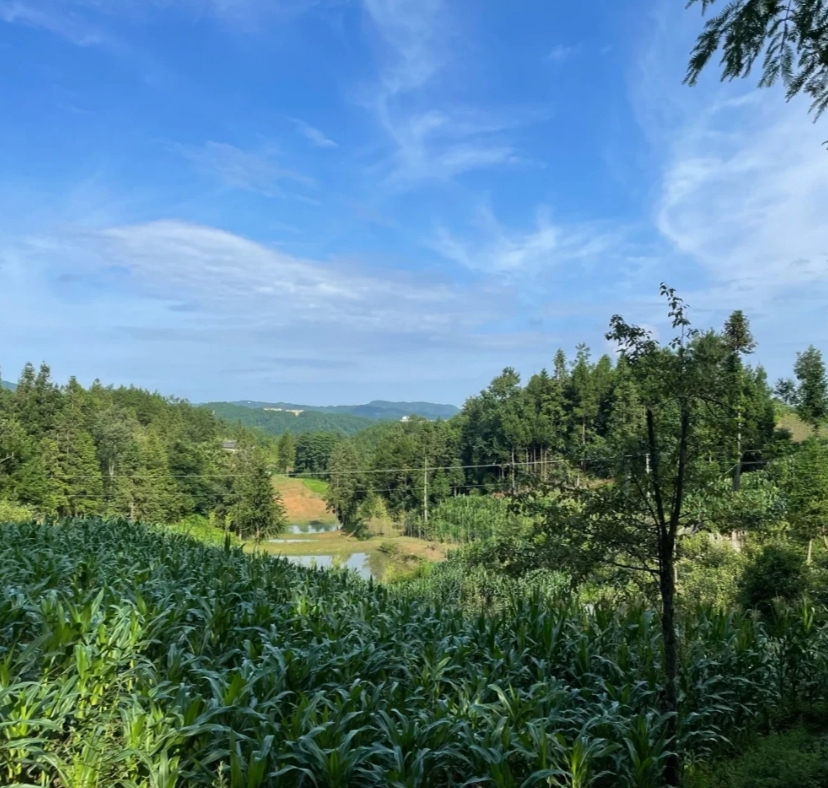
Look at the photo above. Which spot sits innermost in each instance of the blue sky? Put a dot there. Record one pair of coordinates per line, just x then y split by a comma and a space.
330, 201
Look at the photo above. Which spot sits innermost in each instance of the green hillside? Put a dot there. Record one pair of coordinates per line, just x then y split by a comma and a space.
280, 422
378, 410
4, 384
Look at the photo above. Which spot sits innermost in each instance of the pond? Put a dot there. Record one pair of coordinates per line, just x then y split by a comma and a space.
312, 528
357, 561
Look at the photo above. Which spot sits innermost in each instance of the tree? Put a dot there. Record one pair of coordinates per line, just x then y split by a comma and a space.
812, 392
286, 452
739, 342
257, 510
790, 36
785, 391
75, 486
634, 523
347, 487
807, 493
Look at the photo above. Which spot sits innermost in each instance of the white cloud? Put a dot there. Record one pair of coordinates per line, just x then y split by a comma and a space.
744, 191
739, 180
168, 304
526, 252
313, 135
239, 169
234, 279
433, 139
560, 52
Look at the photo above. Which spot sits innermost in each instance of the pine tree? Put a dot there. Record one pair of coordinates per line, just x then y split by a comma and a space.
257, 511
807, 493
738, 342
347, 487
286, 452
812, 392
75, 485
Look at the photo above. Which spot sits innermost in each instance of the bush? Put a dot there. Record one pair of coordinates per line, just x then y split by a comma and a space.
710, 571
796, 759
201, 529
15, 512
778, 571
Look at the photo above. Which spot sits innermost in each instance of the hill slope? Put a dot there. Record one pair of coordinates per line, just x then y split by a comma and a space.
377, 410
4, 384
280, 422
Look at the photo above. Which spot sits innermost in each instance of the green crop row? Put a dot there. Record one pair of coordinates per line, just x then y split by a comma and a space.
133, 658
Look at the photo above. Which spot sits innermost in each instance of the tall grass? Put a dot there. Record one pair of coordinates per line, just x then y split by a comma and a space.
133, 658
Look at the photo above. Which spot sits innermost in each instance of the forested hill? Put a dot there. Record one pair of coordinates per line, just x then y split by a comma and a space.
67, 450
4, 384
280, 422
379, 410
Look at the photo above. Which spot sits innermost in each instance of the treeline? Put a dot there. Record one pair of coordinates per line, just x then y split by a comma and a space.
124, 452
582, 417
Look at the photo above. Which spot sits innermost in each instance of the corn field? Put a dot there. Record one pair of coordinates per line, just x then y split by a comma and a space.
133, 658
469, 518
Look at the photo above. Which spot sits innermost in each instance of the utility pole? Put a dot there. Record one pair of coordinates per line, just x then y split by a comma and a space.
737, 476
425, 489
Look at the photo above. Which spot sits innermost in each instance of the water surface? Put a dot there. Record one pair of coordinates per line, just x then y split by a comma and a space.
357, 561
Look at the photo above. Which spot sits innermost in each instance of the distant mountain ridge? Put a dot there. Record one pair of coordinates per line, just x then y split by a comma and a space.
378, 410
278, 422
6, 385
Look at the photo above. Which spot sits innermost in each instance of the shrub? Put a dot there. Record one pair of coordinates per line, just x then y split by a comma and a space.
710, 571
15, 512
795, 759
777, 571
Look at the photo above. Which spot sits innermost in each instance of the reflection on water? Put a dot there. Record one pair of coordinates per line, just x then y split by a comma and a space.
312, 528
358, 562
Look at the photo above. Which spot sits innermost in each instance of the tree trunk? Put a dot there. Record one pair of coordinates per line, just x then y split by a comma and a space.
810, 552
667, 583
667, 526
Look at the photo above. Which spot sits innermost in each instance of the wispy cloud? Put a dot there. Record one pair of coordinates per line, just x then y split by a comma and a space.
561, 52
88, 22
526, 252
313, 135
239, 169
432, 139
59, 18
743, 194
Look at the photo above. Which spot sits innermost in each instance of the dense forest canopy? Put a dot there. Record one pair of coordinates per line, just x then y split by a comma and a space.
69, 451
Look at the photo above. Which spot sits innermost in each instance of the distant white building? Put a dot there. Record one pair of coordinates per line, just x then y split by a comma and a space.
406, 418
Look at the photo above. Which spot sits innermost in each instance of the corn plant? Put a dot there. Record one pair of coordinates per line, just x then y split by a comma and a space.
131, 658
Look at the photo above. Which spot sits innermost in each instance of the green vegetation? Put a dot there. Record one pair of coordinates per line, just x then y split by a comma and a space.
281, 422
123, 452
137, 658
646, 509
796, 757
317, 486
788, 37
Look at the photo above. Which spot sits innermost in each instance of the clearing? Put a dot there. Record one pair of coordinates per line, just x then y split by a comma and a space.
304, 501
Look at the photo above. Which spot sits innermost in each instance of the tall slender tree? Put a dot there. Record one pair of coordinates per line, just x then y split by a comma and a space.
739, 342
812, 392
